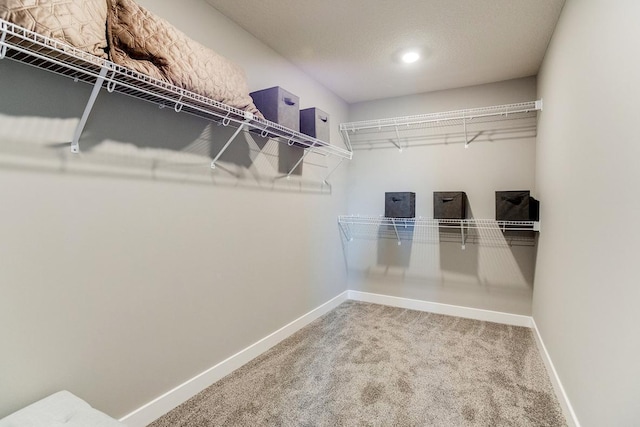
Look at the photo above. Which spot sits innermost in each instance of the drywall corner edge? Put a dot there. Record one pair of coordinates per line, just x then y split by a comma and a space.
161, 405
563, 399
447, 309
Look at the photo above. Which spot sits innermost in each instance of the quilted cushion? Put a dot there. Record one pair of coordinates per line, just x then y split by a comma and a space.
79, 23
60, 409
150, 45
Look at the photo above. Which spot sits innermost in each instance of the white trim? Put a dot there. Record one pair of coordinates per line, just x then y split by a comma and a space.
451, 310
563, 399
163, 404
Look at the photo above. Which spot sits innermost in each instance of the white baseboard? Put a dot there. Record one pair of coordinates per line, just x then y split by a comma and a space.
438, 308
563, 399
163, 404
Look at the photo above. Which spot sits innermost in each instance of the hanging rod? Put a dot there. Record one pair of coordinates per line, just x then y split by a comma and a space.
444, 118
25, 46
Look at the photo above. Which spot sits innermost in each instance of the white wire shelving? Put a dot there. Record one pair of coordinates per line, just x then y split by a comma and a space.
432, 121
22, 45
429, 230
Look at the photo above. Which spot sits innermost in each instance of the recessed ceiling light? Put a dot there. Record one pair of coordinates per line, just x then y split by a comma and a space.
410, 57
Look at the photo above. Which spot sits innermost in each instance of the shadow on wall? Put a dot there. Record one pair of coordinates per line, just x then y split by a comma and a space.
450, 259
394, 245
492, 271
130, 138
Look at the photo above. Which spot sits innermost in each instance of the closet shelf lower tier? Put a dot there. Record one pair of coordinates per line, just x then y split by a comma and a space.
487, 232
25, 46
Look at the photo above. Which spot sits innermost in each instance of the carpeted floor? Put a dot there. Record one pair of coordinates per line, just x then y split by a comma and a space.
367, 364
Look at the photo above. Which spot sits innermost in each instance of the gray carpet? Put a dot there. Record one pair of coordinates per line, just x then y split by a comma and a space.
372, 365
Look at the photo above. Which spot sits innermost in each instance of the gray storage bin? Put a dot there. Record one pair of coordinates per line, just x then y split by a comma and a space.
279, 106
315, 123
515, 206
400, 205
449, 205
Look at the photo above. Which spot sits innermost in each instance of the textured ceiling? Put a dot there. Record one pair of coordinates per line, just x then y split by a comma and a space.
352, 46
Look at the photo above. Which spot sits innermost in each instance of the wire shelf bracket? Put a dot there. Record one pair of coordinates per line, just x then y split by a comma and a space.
344, 228
326, 178
307, 152
75, 144
230, 140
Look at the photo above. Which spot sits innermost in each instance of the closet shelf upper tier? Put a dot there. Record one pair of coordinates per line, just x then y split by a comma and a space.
465, 119
22, 45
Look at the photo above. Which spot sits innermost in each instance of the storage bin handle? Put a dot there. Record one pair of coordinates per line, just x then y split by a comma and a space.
289, 101
513, 200
447, 199
324, 119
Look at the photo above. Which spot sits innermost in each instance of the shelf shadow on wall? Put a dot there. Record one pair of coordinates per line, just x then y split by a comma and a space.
129, 138
434, 255
394, 245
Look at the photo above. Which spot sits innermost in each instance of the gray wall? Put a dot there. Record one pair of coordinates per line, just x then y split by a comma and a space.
122, 275
488, 275
586, 291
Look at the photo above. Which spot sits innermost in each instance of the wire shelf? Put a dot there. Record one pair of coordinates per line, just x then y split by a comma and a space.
28, 47
459, 118
429, 230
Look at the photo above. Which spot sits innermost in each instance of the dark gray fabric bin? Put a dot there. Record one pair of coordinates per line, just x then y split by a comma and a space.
513, 206
449, 205
315, 123
278, 106
400, 205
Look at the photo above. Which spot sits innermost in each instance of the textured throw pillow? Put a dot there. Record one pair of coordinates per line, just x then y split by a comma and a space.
150, 45
79, 23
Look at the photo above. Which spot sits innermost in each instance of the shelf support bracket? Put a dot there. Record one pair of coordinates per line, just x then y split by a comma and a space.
466, 138
309, 150
345, 233
3, 46
398, 138
75, 145
226, 145
395, 228
346, 139
332, 171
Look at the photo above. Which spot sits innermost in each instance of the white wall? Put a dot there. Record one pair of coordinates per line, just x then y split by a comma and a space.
586, 289
120, 288
481, 276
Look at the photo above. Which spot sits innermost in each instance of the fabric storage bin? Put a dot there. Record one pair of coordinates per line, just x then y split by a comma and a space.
449, 205
315, 123
516, 206
279, 106
400, 205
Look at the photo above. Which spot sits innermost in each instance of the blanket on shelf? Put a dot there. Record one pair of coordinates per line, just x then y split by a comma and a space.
77, 23
133, 37
150, 45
